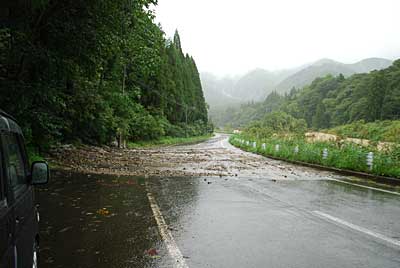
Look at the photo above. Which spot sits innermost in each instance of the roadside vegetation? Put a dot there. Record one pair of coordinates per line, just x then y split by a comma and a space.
283, 136
95, 72
166, 141
348, 156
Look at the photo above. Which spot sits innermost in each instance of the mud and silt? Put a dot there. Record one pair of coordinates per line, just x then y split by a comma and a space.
215, 157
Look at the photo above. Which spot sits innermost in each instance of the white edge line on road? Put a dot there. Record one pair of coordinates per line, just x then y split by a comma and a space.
367, 187
166, 235
357, 228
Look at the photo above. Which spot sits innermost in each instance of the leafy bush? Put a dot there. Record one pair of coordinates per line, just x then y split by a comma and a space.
276, 123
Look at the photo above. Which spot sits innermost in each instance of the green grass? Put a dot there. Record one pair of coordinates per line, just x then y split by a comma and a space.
166, 141
347, 156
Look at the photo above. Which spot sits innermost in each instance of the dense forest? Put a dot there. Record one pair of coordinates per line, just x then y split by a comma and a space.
92, 71
329, 101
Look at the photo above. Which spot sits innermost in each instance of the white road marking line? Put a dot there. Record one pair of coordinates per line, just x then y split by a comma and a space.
166, 235
357, 228
367, 187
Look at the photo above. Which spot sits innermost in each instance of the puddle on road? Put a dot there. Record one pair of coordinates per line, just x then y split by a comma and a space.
97, 221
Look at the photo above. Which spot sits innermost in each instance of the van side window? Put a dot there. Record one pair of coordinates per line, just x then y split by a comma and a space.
15, 164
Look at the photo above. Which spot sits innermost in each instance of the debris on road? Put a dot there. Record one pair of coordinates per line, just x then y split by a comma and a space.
211, 159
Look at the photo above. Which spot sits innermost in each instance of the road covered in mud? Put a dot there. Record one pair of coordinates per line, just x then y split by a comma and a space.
215, 157
210, 205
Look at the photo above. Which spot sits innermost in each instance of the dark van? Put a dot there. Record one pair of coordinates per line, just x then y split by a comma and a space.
19, 217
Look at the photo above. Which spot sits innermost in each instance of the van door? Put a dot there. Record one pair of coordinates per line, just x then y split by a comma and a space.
7, 219
25, 223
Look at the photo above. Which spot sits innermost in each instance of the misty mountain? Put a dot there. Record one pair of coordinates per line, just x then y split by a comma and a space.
255, 85
328, 101
217, 91
327, 66
371, 64
259, 83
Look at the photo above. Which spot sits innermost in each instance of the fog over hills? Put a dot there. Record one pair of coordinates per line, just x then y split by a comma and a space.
326, 66
217, 92
254, 85
258, 83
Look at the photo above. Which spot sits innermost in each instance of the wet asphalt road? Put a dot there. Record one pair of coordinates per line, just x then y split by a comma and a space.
266, 218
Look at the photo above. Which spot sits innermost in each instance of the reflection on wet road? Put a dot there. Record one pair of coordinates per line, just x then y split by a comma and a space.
250, 220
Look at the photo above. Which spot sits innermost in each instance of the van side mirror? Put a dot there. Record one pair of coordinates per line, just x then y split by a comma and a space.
40, 173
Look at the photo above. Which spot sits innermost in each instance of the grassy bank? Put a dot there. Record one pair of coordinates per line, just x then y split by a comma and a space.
166, 141
346, 156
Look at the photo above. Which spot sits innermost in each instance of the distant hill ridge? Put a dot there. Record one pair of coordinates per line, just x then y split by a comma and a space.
259, 83
324, 67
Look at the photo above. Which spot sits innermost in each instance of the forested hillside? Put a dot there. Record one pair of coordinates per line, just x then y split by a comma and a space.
242, 115
333, 101
330, 101
96, 70
227, 93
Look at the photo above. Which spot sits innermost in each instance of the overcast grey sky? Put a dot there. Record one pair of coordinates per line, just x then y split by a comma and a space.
228, 37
